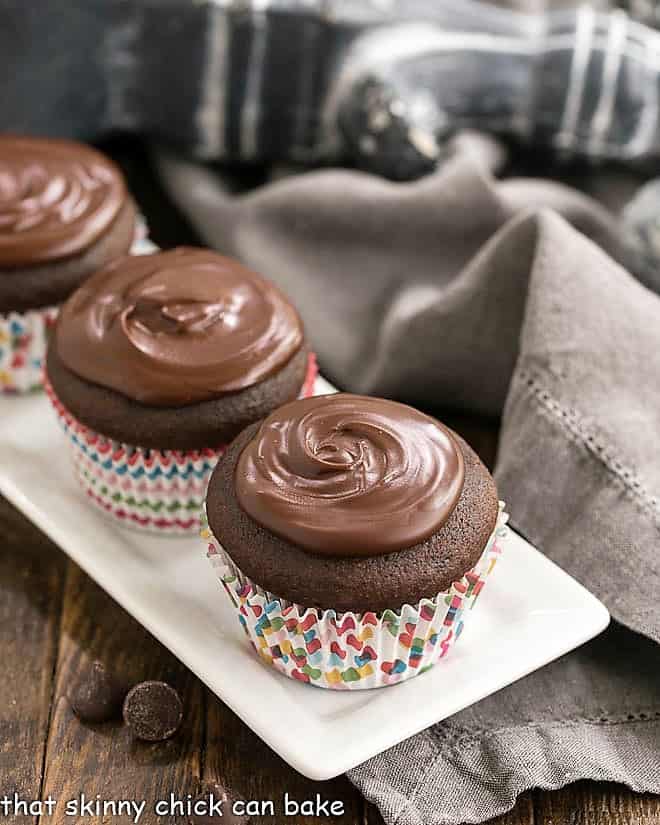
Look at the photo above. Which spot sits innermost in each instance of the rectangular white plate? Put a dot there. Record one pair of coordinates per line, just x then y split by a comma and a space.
531, 612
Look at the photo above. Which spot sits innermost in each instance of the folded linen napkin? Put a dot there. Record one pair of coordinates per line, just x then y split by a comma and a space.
497, 297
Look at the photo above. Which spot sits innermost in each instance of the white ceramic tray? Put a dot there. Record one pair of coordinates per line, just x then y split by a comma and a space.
530, 613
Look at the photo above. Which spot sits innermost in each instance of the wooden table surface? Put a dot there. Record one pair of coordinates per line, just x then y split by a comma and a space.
54, 620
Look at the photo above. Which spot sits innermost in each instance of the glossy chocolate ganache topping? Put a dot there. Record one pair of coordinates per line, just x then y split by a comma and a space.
57, 198
177, 327
348, 475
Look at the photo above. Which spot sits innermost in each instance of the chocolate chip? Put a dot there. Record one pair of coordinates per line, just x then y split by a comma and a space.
215, 793
153, 711
96, 695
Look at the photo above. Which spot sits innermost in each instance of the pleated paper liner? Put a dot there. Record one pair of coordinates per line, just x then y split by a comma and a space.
23, 342
154, 490
352, 651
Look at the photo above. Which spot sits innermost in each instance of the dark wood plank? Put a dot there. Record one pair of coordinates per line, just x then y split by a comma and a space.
596, 803
237, 758
103, 759
31, 576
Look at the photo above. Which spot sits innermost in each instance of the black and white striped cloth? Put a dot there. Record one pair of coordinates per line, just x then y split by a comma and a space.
256, 80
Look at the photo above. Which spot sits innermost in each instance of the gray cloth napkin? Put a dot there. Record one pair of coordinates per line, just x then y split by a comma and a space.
495, 297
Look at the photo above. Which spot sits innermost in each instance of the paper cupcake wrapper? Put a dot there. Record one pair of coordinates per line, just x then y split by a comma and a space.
23, 343
353, 651
24, 336
154, 490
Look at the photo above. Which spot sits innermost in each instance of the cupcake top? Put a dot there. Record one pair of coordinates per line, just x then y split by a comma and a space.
348, 475
57, 198
176, 328
351, 503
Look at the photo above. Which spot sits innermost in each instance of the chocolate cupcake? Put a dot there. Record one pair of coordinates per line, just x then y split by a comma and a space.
156, 363
351, 534
64, 212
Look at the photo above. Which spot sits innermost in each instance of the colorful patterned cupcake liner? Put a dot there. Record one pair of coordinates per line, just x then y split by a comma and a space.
23, 342
152, 490
349, 651
24, 336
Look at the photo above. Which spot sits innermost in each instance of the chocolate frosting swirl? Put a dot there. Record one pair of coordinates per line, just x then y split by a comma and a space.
177, 327
348, 475
57, 198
